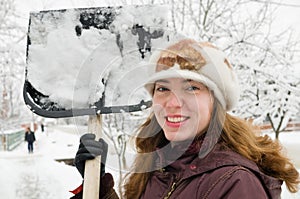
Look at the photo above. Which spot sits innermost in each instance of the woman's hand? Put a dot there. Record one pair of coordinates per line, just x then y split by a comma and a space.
88, 149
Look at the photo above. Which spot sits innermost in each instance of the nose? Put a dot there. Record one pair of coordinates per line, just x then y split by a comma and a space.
174, 100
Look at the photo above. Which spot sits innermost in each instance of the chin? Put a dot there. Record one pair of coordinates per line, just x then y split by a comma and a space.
174, 137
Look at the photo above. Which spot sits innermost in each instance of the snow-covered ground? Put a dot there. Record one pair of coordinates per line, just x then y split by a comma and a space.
39, 176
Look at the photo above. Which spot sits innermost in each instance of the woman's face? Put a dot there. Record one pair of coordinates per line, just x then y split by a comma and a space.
182, 107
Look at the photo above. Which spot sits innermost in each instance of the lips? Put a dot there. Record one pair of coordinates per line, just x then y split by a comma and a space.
176, 119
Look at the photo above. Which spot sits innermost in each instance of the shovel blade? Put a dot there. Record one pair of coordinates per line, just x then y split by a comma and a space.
91, 61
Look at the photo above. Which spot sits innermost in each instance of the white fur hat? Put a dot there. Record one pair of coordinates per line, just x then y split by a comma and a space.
199, 61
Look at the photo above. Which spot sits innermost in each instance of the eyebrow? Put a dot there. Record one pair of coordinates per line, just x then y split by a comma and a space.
167, 81
162, 81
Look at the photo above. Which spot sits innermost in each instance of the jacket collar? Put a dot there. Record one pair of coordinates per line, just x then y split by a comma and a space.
184, 160
175, 157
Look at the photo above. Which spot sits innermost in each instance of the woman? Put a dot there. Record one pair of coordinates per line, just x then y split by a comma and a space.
190, 147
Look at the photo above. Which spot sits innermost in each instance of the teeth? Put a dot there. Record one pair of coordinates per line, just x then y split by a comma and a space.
176, 119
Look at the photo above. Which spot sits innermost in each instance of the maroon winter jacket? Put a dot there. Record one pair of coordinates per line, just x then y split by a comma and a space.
223, 173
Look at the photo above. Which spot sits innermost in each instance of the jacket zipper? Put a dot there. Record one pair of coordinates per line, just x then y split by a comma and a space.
174, 185
171, 191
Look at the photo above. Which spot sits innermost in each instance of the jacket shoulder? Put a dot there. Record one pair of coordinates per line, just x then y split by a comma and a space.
227, 172
233, 182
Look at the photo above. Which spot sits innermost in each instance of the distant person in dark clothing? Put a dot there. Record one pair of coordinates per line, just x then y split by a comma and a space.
42, 127
30, 138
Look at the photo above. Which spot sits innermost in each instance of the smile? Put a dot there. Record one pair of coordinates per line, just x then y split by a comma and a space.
176, 119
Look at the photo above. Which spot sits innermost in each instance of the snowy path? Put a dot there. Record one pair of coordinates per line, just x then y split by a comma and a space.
38, 176
34, 178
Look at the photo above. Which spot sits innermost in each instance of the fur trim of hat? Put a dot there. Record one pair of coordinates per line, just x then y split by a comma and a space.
198, 61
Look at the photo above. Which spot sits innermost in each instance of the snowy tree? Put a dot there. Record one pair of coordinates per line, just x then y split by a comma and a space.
271, 93
264, 59
119, 129
12, 61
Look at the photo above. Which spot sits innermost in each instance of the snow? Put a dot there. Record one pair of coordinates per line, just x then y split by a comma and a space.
38, 175
75, 65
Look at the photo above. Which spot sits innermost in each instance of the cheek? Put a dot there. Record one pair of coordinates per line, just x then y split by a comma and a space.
158, 103
204, 107
156, 100
199, 103
157, 108
159, 114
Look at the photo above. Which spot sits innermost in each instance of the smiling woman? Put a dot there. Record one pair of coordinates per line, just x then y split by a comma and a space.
182, 108
190, 147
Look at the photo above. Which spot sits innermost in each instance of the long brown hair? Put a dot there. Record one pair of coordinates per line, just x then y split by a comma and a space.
238, 134
244, 138
149, 137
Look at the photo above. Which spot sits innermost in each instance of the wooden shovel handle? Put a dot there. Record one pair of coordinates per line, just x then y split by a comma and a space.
91, 185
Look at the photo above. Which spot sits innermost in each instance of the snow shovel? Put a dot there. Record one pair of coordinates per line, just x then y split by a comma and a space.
91, 61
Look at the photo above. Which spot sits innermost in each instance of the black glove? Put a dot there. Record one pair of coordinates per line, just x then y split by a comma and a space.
88, 149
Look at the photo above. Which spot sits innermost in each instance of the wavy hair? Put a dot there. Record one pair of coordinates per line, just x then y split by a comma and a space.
237, 134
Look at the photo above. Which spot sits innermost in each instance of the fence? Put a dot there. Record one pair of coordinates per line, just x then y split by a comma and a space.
291, 126
11, 139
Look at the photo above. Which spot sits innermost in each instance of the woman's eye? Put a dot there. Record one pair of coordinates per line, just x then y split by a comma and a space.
193, 88
161, 89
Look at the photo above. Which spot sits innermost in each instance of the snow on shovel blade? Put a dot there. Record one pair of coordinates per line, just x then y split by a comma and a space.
91, 61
